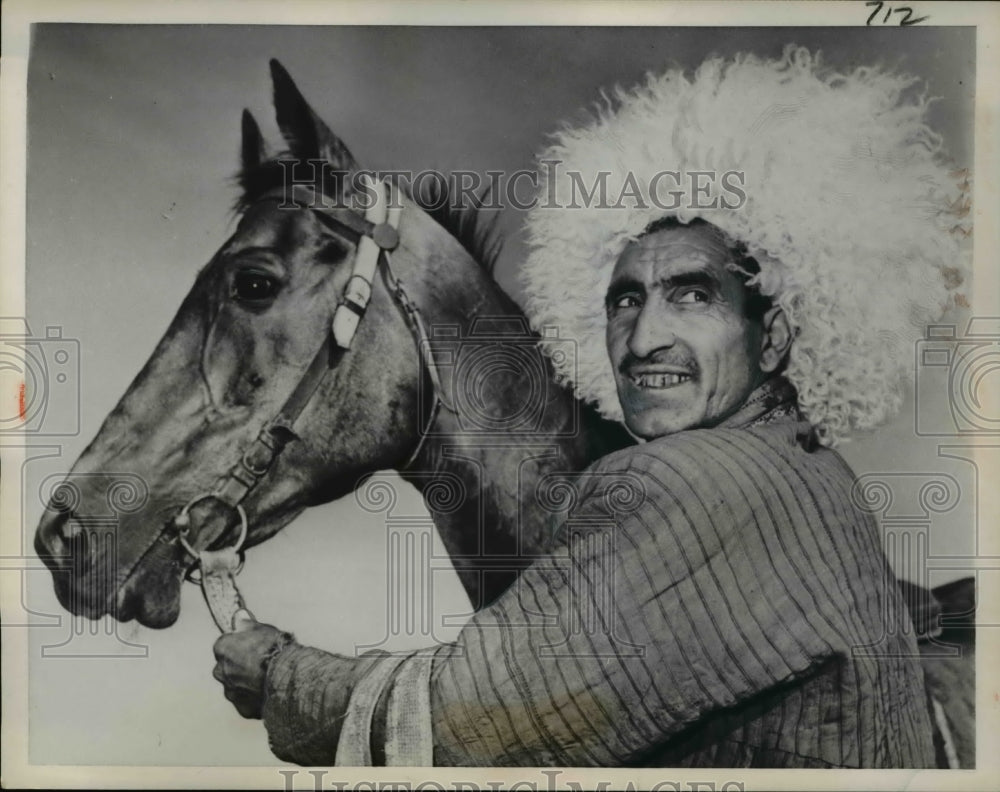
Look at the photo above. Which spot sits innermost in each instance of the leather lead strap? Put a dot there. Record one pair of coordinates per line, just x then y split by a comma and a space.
218, 585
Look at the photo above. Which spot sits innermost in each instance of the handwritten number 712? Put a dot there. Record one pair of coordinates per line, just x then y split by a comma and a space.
905, 10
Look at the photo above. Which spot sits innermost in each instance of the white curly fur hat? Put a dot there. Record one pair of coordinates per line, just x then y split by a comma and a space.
858, 223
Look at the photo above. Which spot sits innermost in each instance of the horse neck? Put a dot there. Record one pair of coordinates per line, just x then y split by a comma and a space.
490, 521
497, 523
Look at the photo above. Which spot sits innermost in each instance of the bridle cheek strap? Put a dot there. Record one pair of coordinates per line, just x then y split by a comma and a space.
384, 218
379, 240
374, 247
377, 235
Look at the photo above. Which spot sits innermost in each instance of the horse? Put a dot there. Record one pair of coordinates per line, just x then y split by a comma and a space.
247, 413
244, 337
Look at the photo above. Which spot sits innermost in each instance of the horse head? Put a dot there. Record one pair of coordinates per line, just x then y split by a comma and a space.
246, 387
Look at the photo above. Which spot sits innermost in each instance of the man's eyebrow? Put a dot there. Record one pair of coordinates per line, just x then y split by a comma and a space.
694, 277
623, 285
697, 276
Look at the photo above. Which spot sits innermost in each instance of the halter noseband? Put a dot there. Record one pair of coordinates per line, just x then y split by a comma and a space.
377, 236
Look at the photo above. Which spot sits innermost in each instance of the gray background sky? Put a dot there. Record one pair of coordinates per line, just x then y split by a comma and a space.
133, 138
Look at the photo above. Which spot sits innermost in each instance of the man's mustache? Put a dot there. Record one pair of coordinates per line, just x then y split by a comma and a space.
631, 364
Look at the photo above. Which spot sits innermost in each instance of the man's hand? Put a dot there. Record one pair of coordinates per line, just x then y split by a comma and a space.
241, 662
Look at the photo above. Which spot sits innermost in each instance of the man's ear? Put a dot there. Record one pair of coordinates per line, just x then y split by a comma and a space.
776, 341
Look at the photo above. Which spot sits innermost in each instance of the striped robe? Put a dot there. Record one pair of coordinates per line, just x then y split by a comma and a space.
716, 600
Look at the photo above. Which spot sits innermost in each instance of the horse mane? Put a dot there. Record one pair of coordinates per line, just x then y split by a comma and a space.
473, 225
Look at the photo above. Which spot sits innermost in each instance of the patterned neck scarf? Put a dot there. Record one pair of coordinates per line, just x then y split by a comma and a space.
773, 400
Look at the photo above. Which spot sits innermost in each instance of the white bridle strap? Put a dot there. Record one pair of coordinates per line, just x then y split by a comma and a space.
358, 292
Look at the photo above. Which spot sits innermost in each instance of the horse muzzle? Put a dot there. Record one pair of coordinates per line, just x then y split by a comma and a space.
112, 565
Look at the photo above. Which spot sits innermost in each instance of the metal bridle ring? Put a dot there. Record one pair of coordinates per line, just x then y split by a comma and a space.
182, 521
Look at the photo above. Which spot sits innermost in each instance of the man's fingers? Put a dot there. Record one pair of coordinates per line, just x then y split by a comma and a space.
240, 659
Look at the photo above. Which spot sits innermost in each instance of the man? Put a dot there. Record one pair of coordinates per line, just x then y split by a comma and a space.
734, 607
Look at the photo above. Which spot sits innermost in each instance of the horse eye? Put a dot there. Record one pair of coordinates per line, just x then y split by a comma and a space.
254, 286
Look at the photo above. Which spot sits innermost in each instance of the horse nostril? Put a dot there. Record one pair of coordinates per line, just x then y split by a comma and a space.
60, 526
53, 532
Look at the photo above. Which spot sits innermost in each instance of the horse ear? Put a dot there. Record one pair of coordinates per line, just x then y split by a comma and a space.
307, 136
252, 152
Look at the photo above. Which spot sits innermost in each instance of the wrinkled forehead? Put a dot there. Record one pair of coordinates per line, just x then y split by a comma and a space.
680, 250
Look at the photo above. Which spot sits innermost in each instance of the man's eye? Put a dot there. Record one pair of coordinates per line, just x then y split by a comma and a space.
626, 301
694, 296
253, 286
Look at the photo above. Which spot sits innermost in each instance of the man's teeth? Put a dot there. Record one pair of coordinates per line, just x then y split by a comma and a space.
659, 380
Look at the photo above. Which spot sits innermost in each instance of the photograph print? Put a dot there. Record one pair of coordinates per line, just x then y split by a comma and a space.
501, 397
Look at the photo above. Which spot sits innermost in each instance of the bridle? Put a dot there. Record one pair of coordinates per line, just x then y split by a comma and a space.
377, 236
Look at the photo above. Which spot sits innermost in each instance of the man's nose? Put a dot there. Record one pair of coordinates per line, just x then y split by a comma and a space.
653, 330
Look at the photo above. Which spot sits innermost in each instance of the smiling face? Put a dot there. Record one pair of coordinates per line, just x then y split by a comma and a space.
686, 342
